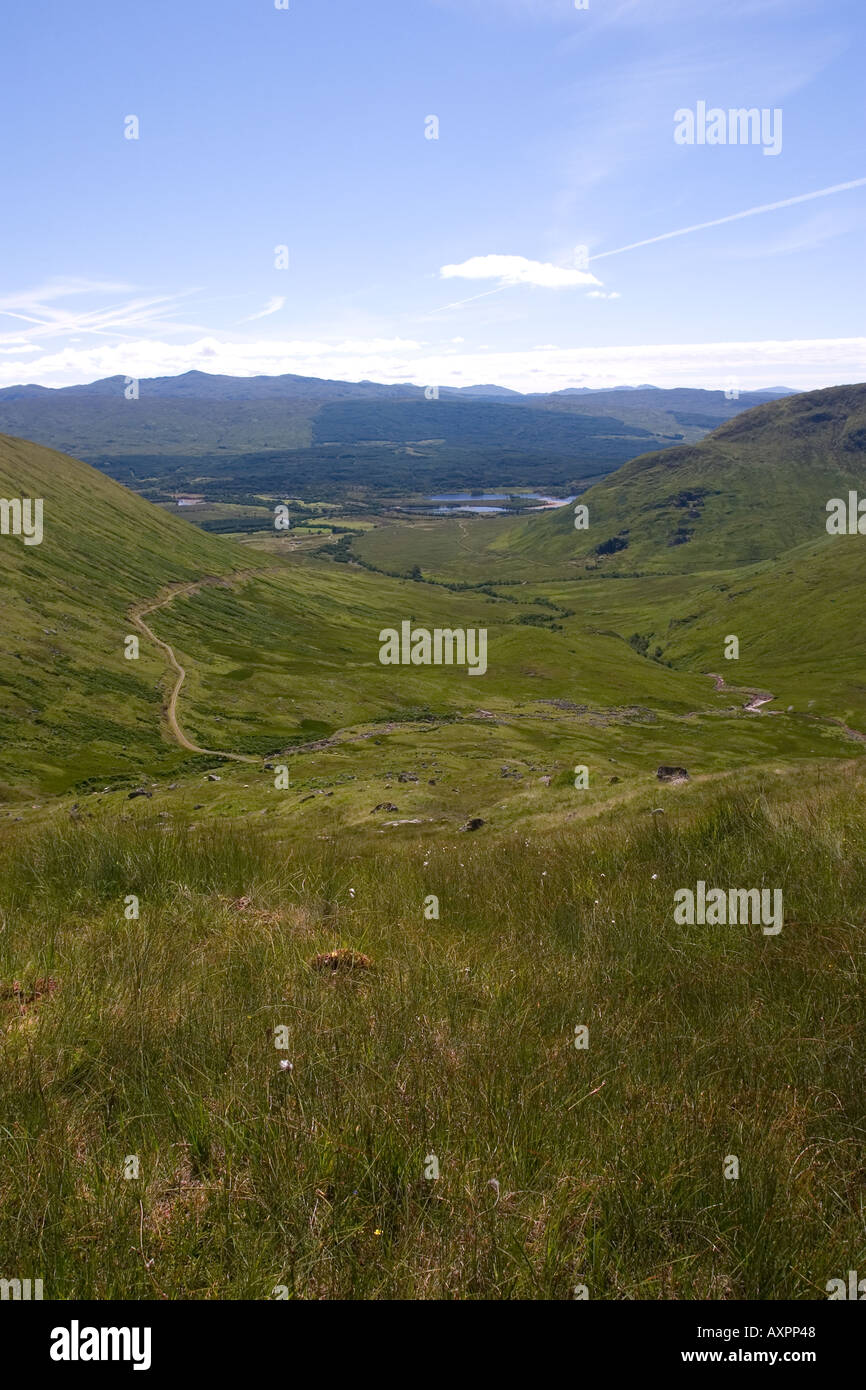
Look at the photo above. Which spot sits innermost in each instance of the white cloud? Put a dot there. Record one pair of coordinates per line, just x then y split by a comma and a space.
518, 270
803, 363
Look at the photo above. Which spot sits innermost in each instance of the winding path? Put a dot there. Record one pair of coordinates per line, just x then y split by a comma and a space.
137, 616
756, 697
763, 697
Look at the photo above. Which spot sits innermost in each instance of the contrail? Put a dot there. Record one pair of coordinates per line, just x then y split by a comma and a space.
684, 231
735, 217
458, 303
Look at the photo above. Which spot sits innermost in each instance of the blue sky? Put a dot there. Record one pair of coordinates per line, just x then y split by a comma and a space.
443, 261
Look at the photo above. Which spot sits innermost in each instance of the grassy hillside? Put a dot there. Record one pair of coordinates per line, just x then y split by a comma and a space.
72, 704
453, 1038
751, 490
155, 1039
758, 485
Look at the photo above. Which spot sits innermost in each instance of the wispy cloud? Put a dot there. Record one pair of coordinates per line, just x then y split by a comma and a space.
48, 319
273, 306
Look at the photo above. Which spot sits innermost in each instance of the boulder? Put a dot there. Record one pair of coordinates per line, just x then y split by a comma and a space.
672, 774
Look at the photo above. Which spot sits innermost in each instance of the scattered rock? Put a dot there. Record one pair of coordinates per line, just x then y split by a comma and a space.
613, 779
140, 791
213, 777
406, 777
546, 780
474, 824
672, 774
384, 806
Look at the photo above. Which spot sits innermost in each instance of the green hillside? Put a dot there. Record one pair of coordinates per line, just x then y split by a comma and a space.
287, 655
454, 1035
71, 702
749, 491
756, 486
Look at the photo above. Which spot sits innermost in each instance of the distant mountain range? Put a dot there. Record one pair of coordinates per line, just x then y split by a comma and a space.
203, 386
306, 435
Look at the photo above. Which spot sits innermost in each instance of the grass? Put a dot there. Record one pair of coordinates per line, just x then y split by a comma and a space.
71, 705
158, 1042
150, 1041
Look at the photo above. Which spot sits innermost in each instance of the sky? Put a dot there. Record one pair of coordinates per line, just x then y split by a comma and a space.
537, 193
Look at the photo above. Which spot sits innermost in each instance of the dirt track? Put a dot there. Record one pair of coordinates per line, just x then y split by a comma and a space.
138, 615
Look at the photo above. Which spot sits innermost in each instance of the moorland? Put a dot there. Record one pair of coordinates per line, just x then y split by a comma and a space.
188, 832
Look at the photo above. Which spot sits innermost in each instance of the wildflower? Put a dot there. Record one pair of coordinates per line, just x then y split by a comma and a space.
287, 1066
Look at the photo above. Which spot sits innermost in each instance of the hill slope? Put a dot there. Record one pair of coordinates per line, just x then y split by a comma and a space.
69, 695
756, 486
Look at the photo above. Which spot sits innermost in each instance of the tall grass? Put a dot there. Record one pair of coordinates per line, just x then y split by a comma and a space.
704, 1042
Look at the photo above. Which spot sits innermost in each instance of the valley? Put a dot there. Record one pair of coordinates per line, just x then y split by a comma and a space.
503, 852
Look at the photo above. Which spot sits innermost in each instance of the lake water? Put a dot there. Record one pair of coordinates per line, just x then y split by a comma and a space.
478, 502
